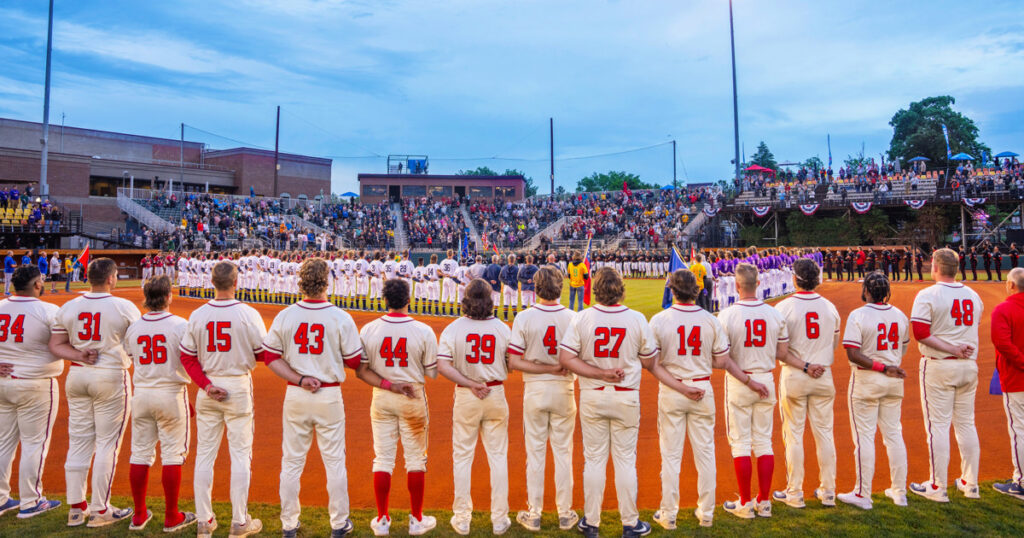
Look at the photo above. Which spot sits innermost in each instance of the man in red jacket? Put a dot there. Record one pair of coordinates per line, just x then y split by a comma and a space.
1008, 338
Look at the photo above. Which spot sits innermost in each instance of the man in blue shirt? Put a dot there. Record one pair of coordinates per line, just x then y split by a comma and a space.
9, 267
526, 273
492, 274
44, 266
509, 277
27, 258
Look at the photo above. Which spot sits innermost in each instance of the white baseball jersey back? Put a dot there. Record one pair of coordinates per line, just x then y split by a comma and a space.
611, 337
405, 268
813, 325
477, 348
153, 342
315, 339
755, 330
390, 269
399, 348
225, 335
25, 336
448, 266
98, 321
536, 333
954, 313
881, 332
688, 338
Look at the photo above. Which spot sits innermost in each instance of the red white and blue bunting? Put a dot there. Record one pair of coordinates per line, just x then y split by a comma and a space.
710, 211
974, 201
761, 211
809, 209
861, 207
915, 204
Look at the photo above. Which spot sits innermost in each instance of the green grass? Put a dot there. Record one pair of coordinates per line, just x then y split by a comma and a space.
992, 515
643, 295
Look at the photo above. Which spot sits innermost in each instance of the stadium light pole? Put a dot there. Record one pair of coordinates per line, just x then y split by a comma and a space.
44, 186
675, 184
551, 123
735, 104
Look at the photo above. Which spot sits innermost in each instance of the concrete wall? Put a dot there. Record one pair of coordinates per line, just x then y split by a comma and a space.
76, 141
365, 180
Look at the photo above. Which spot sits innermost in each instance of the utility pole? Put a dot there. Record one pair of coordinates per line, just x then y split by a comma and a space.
552, 152
735, 102
675, 184
44, 186
181, 162
277, 140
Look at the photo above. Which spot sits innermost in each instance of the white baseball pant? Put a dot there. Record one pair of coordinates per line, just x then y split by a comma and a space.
804, 399
948, 389
609, 421
448, 290
549, 414
748, 417
1013, 404
28, 410
509, 295
160, 414
393, 417
488, 419
680, 418
212, 417
876, 399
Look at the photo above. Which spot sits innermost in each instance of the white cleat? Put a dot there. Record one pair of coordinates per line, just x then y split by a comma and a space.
899, 498
744, 511
864, 503
109, 517
141, 526
502, 526
530, 522
666, 520
77, 517
205, 529
461, 525
568, 521
421, 526
971, 492
704, 521
794, 500
250, 527
381, 526
930, 491
826, 496
764, 508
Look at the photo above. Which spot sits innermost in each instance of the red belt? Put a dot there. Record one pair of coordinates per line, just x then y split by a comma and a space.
489, 384
322, 385
617, 388
75, 364
705, 378
748, 372
950, 358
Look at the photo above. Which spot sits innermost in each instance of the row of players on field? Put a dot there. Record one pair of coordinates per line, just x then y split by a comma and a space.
310, 344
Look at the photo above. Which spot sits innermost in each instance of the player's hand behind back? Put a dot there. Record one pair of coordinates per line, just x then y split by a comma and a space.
5, 369
759, 388
405, 389
963, 351
613, 375
895, 371
88, 357
218, 394
311, 384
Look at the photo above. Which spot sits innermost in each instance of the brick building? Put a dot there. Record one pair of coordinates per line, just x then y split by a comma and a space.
86, 167
376, 187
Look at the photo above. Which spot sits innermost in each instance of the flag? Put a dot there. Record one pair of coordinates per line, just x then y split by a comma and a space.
83, 258
586, 263
945, 134
465, 247
625, 188
829, 151
675, 263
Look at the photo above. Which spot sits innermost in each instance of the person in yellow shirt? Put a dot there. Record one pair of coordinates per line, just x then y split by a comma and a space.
698, 271
68, 270
578, 275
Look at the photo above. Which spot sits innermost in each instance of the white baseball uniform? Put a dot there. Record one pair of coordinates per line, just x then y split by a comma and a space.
951, 312
610, 337
549, 404
29, 399
448, 267
317, 340
881, 332
688, 338
224, 336
478, 350
812, 322
99, 396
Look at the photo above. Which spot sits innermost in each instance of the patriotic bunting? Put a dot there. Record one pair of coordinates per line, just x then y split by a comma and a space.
710, 211
809, 209
861, 207
974, 201
915, 204
761, 211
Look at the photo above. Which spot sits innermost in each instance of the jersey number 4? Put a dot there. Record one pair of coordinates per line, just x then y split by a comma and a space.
310, 338
607, 341
17, 328
154, 349
962, 312
397, 352
549, 341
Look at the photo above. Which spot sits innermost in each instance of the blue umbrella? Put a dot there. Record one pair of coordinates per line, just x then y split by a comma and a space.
961, 157
350, 194
667, 188
916, 159
1007, 154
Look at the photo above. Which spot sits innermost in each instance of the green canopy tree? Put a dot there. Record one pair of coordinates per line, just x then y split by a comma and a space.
814, 164
917, 130
763, 157
610, 181
531, 188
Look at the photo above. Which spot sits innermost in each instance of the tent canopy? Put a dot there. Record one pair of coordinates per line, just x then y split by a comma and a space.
349, 194
667, 188
1007, 154
759, 168
961, 157
919, 158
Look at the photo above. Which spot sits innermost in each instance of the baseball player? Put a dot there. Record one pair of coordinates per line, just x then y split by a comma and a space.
691, 342
1006, 337
405, 268
812, 322
160, 408
89, 331
549, 403
432, 284
28, 392
526, 285
147, 267
219, 349
876, 339
308, 345
492, 274
398, 353
472, 354
606, 346
945, 319
757, 337
376, 281
447, 268
362, 268
509, 277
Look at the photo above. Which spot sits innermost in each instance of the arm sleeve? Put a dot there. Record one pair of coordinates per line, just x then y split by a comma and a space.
257, 332
517, 342
446, 345
429, 350
648, 344
783, 330
273, 343
720, 343
921, 311
1002, 331
189, 359
852, 335
571, 339
351, 345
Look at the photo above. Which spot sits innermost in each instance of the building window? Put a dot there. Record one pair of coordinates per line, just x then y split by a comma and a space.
105, 186
440, 191
375, 191
505, 192
414, 190
480, 192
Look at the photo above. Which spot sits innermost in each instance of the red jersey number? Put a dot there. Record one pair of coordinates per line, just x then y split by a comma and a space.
481, 348
154, 349
693, 340
549, 341
962, 312
608, 341
757, 333
310, 338
17, 328
90, 326
392, 353
811, 322
888, 337
217, 337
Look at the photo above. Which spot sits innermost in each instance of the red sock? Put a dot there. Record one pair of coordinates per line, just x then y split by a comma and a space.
382, 490
416, 480
743, 471
171, 479
765, 468
138, 476
81, 506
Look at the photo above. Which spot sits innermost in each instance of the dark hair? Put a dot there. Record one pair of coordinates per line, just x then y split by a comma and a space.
807, 275
23, 277
477, 302
684, 285
157, 291
876, 288
396, 294
608, 287
100, 270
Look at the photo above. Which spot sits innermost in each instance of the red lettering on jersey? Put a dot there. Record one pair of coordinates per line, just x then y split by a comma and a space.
154, 349
389, 353
550, 341
90, 326
217, 337
310, 345
888, 336
481, 348
962, 312
17, 328
693, 340
757, 333
604, 338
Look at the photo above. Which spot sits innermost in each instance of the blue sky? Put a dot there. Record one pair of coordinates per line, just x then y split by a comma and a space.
462, 80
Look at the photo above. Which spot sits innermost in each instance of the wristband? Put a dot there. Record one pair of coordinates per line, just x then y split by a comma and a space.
878, 366
301, 379
385, 384
806, 364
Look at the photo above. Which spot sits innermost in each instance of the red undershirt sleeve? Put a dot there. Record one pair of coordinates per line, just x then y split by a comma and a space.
195, 370
922, 330
353, 362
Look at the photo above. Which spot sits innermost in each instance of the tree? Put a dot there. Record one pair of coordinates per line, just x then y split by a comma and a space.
814, 164
531, 188
610, 181
478, 171
560, 191
917, 130
763, 157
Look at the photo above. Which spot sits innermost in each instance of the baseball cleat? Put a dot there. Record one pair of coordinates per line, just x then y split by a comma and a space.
290, 533
461, 525
666, 520
971, 492
745, 511
189, 519
704, 521
110, 516
139, 526
864, 503
589, 531
899, 497
344, 530
826, 496
422, 525
381, 525
1010, 488
206, 528
795, 500
642, 528
42, 506
529, 521
502, 526
250, 527
930, 491
568, 521
77, 517
764, 508
11, 504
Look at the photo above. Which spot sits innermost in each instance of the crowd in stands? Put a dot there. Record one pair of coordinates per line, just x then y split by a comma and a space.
432, 222
509, 224
20, 212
